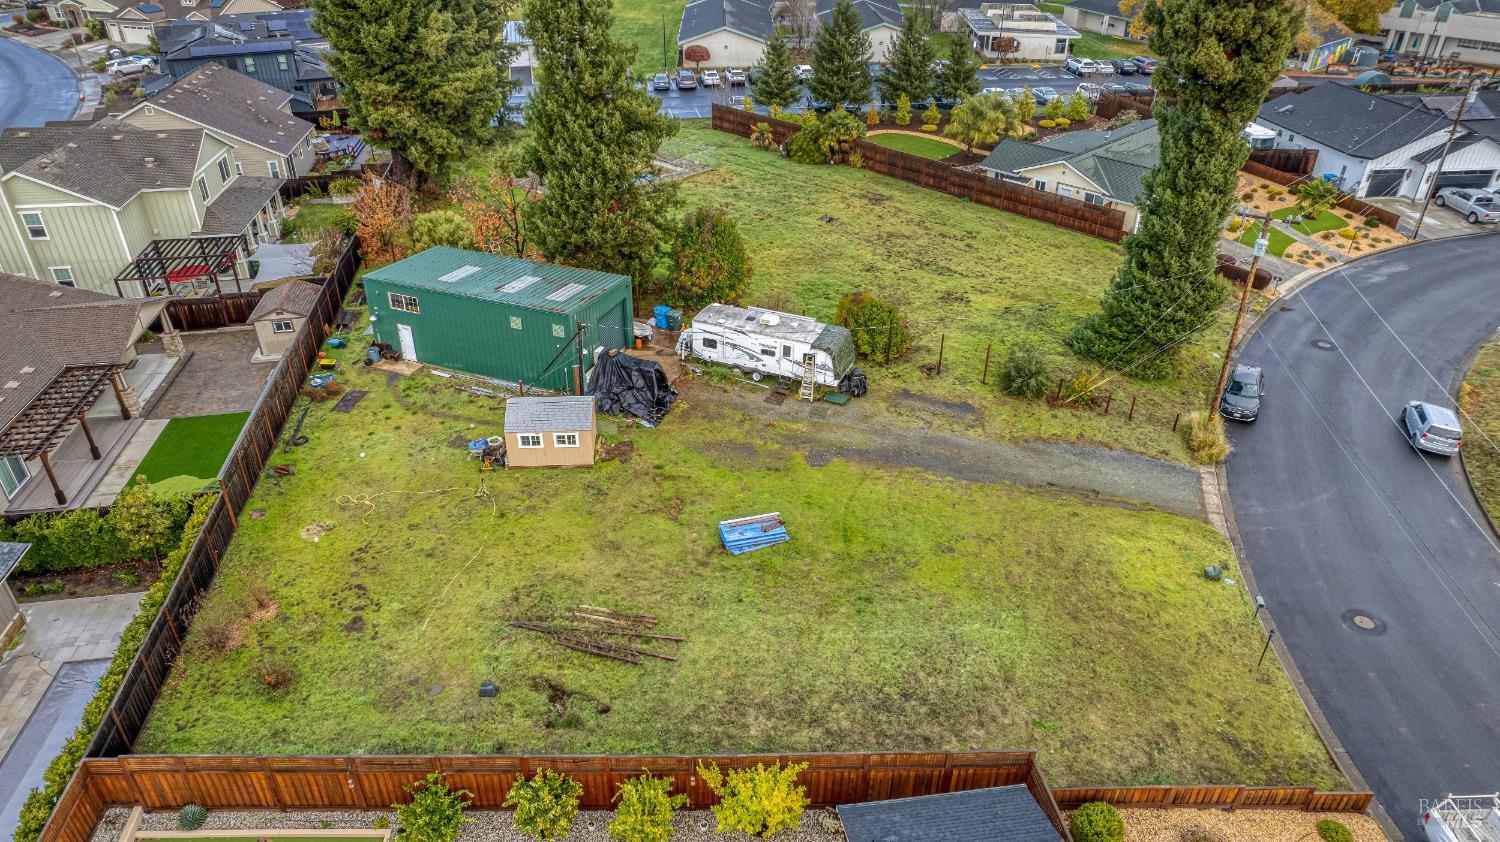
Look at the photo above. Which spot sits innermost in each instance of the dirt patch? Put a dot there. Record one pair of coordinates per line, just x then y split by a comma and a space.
459, 442
98, 581
356, 625
817, 458
954, 409
314, 531
561, 701
673, 510
620, 451
257, 514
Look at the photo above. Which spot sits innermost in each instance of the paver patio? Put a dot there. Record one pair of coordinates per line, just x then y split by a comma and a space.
219, 377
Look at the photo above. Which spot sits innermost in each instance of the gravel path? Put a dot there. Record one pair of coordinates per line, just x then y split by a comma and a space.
1223, 826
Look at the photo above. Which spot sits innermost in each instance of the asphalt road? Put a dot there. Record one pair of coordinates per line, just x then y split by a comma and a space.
1341, 518
35, 87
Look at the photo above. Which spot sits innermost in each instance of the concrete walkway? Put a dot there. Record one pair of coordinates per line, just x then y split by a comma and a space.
57, 632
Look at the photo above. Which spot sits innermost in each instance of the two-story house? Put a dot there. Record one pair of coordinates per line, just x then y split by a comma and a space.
279, 49
1439, 30
134, 23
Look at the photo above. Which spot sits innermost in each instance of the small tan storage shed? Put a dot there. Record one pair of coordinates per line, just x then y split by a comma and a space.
279, 314
549, 432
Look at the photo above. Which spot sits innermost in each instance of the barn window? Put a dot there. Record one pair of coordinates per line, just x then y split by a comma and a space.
515, 322
565, 439
404, 303
559, 331
283, 326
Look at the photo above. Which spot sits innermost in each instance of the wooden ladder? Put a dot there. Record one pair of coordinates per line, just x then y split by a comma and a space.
809, 369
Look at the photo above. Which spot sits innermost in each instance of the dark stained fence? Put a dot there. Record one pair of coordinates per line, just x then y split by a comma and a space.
1110, 105
1294, 161
231, 308
1348, 203
1227, 797
1094, 220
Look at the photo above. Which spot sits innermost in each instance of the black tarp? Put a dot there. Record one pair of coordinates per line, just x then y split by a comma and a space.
626, 385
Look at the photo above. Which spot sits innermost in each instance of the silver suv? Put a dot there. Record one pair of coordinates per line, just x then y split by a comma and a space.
1432, 428
1472, 203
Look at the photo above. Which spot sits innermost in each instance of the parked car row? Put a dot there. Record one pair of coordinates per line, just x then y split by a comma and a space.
687, 80
1079, 66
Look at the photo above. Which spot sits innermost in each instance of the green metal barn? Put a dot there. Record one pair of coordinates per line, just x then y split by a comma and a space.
501, 317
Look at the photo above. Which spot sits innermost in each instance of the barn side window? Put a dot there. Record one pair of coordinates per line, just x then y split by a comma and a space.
404, 303
559, 331
515, 322
530, 440
565, 439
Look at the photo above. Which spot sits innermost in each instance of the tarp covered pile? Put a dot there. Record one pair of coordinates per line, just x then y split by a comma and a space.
626, 385
741, 535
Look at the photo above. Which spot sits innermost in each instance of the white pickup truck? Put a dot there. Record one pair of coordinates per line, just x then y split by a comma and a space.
1464, 818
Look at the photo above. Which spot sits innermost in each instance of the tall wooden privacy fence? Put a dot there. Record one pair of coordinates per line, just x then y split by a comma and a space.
1348, 203
1110, 105
1073, 214
231, 308
304, 783
1293, 161
1222, 797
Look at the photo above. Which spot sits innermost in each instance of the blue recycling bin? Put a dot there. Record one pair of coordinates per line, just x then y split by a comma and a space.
659, 312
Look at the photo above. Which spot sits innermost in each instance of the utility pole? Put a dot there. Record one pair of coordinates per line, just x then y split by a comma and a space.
1234, 333
1458, 116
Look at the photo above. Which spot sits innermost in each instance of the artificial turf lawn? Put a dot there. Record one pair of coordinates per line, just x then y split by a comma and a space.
925, 146
908, 611
1323, 220
190, 451
1480, 398
1279, 240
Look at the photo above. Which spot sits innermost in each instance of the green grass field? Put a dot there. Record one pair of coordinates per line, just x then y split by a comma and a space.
1094, 45
1323, 220
189, 452
311, 219
1480, 398
925, 146
908, 611
642, 24
1279, 240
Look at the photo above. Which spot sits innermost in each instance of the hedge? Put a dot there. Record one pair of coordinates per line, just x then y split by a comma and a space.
82, 538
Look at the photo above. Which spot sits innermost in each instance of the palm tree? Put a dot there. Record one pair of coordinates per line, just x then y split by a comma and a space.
980, 121
761, 136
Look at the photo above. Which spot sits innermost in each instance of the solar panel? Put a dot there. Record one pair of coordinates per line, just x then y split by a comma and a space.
567, 292
276, 25
520, 283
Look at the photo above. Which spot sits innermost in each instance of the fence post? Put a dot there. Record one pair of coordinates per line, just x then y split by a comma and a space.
1175, 419
1130, 416
1108, 399
1057, 396
942, 340
985, 375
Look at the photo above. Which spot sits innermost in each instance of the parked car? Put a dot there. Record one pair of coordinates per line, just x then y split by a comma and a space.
1242, 394
1124, 67
1144, 65
130, 65
1043, 95
737, 101
734, 77
1475, 205
1432, 428
661, 82
1080, 66
804, 71
711, 79
687, 80
1136, 89
1115, 88
1004, 93
1090, 91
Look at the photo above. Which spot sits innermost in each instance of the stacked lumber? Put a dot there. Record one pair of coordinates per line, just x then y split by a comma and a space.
741, 535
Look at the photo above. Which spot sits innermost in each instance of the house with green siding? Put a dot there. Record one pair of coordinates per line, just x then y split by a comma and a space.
512, 320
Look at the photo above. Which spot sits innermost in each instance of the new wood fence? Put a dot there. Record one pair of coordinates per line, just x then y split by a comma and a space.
231, 308
1348, 203
1293, 161
1224, 797
1110, 105
1073, 214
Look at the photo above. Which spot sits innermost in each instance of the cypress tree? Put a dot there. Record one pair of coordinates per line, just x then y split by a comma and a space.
592, 136
422, 77
1222, 59
910, 59
841, 73
776, 81
959, 78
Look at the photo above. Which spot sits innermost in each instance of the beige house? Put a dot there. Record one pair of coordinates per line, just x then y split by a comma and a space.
732, 32
550, 432
1104, 168
1017, 32
1101, 16
133, 23
254, 118
280, 313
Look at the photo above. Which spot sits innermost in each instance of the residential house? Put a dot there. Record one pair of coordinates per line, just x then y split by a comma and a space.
732, 32
279, 314
1374, 146
550, 432
1100, 167
1335, 44
880, 20
253, 117
1018, 32
279, 49
512, 320
1481, 117
1101, 16
523, 60
79, 204
1440, 30
135, 23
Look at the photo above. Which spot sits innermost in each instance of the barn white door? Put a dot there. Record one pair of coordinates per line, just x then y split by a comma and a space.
408, 346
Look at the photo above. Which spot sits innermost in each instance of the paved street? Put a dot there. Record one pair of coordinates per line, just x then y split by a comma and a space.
1379, 571
35, 86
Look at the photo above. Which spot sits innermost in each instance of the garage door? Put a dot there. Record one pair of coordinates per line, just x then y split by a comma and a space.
1465, 178
1385, 182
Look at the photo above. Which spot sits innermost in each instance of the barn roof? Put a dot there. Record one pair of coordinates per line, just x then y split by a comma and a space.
496, 278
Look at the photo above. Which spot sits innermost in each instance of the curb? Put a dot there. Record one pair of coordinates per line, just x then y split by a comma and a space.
1459, 377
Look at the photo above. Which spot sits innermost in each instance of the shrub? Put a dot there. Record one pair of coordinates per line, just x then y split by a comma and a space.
645, 811
110, 96
274, 676
872, 114
435, 812
128, 579
903, 110
1080, 388
875, 325
761, 136
346, 186
806, 147
1053, 109
837, 135
1204, 436
1248, 197
760, 801
191, 817
1372, 222
1046, 123
1125, 118
1331, 830
443, 227
1097, 822
709, 261
1029, 136
1349, 234
857, 159
929, 127
1024, 373
381, 822
1274, 191
749, 104
545, 805
1062, 122
932, 115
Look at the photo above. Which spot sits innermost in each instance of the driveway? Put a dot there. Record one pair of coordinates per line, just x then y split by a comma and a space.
35, 87
1381, 576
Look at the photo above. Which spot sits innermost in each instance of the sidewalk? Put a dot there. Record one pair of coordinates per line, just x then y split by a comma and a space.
57, 632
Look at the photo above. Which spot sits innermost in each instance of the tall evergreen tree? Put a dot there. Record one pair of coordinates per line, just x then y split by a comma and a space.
959, 78
422, 77
840, 56
776, 81
1222, 59
911, 56
592, 136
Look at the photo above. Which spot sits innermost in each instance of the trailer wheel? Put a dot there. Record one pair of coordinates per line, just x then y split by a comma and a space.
757, 376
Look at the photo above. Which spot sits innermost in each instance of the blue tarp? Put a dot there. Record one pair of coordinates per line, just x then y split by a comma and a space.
741, 535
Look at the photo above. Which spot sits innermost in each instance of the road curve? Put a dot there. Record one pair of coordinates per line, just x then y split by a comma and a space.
35, 87
1340, 518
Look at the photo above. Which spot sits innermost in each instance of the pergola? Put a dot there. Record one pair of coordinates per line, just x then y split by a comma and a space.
50, 417
181, 263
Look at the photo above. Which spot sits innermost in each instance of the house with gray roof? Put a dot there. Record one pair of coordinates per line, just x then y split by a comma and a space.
880, 20
1466, 31
733, 32
1374, 146
134, 22
279, 49
550, 432
1105, 168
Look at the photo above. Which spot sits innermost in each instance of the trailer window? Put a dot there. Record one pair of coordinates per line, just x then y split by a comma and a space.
786, 351
768, 352
710, 343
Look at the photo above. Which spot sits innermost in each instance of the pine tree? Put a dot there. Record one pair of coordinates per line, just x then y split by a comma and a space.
1224, 57
422, 77
911, 56
776, 82
592, 136
959, 78
840, 53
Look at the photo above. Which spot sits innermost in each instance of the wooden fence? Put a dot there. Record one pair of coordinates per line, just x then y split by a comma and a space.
359, 783
1348, 203
1073, 214
1293, 161
1222, 797
1110, 105
231, 308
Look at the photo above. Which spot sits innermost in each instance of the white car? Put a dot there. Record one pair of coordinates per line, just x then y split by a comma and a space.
1090, 91
804, 71
734, 76
130, 65
711, 79
1081, 66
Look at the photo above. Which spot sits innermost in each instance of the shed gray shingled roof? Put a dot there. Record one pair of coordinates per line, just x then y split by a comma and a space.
295, 298
112, 162
997, 814
743, 16
10, 557
235, 104
547, 415
234, 209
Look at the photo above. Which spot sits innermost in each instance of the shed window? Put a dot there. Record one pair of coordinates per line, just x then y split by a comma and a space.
710, 343
515, 322
565, 439
404, 303
282, 326
559, 331
529, 440
36, 229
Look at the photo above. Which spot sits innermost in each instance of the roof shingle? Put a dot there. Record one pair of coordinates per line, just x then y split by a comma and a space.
235, 104
296, 298
112, 162
996, 814
546, 415
1351, 121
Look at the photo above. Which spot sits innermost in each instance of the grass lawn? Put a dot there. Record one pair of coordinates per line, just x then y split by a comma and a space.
1094, 45
1279, 240
977, 276
1480, 398
641, 23
925, 146
189, 452
1324, 220
908, 611
310, 219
